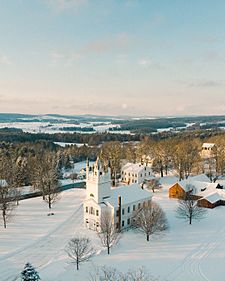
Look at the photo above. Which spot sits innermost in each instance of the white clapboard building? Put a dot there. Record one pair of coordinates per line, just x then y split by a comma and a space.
135, 173
121, 202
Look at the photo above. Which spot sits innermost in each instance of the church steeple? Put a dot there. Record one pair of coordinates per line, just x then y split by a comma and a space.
98, 182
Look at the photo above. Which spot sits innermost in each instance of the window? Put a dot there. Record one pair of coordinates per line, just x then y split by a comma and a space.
117, 213
96, 212
122, 223
141, 175
143, 204
149, 173
128, 209
117, 225
139, 205
122, 172
128, 221
145, 174
97, 224
133, 207
86, 220
135, 175
86, 209
91, 195
92, 211
123, 211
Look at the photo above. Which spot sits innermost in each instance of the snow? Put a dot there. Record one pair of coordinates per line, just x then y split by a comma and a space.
129, 194
183, 253
208, 145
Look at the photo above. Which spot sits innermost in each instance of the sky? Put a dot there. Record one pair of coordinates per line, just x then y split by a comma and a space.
113, 57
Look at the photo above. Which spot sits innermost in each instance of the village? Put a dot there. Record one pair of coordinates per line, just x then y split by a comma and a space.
114, 207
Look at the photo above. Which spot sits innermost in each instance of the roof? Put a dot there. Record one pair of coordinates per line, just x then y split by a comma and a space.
198, 184
134, 167
129, 194
208, 145
215, 196
3, 183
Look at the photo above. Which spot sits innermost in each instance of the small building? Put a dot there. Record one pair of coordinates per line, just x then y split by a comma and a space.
192, 185
120, 202
212, 200
208, 150
135, 173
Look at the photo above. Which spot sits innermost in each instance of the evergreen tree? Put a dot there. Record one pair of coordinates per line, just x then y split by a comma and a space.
29, 273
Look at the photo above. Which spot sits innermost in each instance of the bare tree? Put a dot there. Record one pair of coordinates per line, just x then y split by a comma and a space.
150, 219
79, 249
46, 178
109, 235
188, 209
6, 201
105, 273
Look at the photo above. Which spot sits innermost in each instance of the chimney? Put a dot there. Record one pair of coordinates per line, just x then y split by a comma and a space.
119, 213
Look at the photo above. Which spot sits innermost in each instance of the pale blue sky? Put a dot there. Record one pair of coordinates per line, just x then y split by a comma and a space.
136, 57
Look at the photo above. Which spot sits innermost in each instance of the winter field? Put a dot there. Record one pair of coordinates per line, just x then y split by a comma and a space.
182, 253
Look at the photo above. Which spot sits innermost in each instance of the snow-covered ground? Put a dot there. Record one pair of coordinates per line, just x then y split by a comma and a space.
182, 253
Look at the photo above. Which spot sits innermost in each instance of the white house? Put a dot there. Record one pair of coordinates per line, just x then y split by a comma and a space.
121, 202
135, 173
208, 150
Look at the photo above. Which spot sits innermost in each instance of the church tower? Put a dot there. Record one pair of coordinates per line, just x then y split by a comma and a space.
98, 182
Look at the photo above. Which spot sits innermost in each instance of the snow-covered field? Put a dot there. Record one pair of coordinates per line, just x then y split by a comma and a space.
182, 253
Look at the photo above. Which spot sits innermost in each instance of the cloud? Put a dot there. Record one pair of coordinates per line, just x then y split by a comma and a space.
207, 84
65, 4
65, 58
4, 60
144, 62
120, 42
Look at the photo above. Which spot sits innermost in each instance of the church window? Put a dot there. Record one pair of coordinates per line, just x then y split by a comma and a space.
92, 210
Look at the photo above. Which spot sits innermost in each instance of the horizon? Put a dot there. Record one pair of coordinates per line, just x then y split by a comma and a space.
117, 58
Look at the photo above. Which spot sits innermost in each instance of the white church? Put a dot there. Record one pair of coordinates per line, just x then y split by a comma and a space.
121, 202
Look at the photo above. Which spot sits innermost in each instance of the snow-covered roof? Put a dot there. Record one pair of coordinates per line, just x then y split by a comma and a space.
208, 145
212, 197
134, 167
129, 194
200, 177
3, 183
198, 185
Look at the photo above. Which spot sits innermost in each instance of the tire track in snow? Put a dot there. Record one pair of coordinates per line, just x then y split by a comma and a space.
190, 268
43, 250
